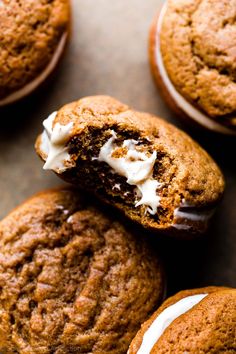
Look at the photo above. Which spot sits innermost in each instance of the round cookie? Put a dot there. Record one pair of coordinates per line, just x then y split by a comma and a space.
72, 278
151, 171
192, 321
192, 58
33, 36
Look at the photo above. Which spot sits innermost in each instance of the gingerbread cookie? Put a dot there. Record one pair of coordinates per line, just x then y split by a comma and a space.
192, 54
33, 35
72, 278
153, 172
193, 321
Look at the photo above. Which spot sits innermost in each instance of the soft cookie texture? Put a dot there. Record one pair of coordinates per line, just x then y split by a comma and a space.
72, 280
192, 321
153, 172
192, 54
33, 34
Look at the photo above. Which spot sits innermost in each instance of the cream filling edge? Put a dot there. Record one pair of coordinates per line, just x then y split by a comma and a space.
31, 86
164, 320
181, 102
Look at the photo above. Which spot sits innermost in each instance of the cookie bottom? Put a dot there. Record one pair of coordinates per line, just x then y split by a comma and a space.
27, 89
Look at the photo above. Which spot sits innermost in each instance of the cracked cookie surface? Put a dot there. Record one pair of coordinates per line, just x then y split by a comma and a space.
150, 170
30, 33
72, 279
198, 45
207, 324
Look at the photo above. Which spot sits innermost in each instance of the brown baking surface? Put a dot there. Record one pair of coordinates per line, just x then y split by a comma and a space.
108, 55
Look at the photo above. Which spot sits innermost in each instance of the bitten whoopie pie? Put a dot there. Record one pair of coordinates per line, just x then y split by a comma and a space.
153, 172
191, 322
33, 35
192, 54
72, 279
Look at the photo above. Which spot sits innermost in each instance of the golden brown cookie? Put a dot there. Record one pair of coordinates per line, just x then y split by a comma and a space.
33, 35
153, 172
192, 55
193, 321
72, 279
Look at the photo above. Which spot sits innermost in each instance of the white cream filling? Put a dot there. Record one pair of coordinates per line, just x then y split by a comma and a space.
187, 212
181, 102
137, 167
116, 186
53, 144
182, 226
193, 216
27, 89
165, 318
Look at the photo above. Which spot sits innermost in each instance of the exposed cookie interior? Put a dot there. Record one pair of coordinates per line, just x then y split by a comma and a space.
142, 190
151, 171
125, 169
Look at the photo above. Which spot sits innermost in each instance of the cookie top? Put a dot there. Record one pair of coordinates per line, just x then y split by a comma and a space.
198, 41
72, 278
150, 170
192, 321
32, 38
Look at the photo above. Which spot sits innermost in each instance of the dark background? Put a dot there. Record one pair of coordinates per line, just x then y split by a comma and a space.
108, 55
